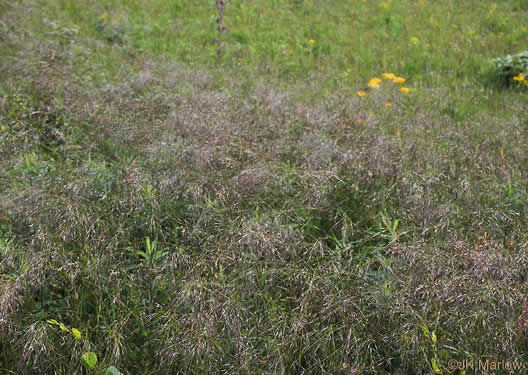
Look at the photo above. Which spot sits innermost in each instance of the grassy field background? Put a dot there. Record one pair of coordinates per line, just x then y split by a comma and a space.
163, 211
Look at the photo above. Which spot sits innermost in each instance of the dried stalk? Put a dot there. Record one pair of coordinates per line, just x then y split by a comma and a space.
220, 5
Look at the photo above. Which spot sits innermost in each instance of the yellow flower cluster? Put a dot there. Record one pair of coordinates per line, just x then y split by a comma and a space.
375, 83
521, 78
393, 78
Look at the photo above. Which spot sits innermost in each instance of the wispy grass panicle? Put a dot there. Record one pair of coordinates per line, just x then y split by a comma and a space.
337, 197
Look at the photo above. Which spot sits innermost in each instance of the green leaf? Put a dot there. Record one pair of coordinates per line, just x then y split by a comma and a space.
149, 249
52, 321
158, 255
435, 366
425, 331
113, 371
433, 337
90, 359
76, 333
63, 327
131, 267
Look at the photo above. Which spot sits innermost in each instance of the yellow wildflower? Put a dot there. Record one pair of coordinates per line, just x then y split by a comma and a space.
311, 41
388, 105
519, 78
404, 90
361, 93
399, 80
374, 83
360, 121
414, 40
388, 76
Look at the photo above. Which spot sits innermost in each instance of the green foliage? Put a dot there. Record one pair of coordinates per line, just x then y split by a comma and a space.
113, 371
102, 178
504, 69
432, 351
151, 255
90, 360
112, 27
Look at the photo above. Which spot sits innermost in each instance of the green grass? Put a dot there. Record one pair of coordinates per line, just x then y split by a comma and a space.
252, 214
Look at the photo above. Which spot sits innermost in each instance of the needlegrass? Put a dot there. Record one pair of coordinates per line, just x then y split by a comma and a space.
171, 213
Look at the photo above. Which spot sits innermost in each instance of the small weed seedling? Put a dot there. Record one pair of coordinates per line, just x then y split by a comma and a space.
151, 256
89, 358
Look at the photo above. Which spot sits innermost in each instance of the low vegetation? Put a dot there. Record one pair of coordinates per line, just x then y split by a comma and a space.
323, 188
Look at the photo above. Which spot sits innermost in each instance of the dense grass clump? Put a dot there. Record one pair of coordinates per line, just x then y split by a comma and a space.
338, 191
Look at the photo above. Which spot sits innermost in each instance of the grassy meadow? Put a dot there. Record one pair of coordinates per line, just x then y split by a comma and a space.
343, 191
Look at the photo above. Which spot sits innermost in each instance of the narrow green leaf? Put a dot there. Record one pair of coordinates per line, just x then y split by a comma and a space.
52, 321
131, 267
435, 366
149, 249
63, 327
425, 331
